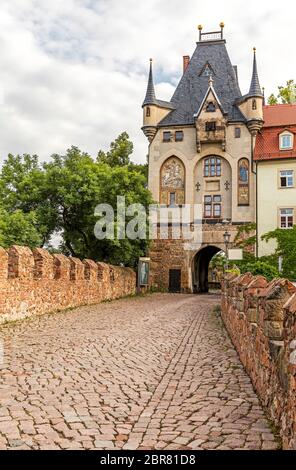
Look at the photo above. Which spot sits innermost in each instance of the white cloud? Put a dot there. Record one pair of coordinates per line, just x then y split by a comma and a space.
74, 72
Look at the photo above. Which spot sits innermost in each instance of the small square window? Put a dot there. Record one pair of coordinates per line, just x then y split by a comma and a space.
237, 132
287, 218
210, 126
179, 136
167, 136
287, 179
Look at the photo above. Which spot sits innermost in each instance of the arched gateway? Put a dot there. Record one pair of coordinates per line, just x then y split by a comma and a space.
200, 268
200, 154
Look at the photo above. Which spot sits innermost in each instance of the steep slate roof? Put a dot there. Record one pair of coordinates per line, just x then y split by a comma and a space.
277, 118
255, 88
150, 97
193, 86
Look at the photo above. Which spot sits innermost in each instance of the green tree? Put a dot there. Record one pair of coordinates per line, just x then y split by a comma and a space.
78, 184
23, 188
18, 228
119, 153
286, 95
40, 200
286, 248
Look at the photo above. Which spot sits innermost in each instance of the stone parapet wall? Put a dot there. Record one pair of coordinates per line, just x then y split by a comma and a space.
260, 317
36, 282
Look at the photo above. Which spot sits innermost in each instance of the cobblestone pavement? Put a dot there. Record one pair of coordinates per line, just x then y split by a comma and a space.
156, 372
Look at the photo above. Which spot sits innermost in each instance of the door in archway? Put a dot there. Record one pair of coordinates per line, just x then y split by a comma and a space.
175, 280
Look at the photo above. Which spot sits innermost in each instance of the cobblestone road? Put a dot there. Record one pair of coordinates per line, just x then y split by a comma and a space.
157, 372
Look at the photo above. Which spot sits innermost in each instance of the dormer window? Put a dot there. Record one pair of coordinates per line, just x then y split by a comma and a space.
210, 126
211, 108
286, 141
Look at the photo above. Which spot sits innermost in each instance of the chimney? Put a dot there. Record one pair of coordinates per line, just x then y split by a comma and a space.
186, 60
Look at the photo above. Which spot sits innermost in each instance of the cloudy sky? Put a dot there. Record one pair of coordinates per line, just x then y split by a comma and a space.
74, 72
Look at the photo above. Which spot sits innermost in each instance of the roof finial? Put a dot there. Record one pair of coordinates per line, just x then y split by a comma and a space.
211, 81
150, 94
200, 30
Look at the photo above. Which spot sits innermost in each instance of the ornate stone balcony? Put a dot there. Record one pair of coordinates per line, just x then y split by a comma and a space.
204, 136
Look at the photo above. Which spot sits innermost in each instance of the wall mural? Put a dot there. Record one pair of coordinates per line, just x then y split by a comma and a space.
172, 182
243, 182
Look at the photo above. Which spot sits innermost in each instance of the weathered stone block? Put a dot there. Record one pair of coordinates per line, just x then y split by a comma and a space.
252, 315
273, 329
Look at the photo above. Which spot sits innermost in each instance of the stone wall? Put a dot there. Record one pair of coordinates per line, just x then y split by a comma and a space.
260, 317
36, 282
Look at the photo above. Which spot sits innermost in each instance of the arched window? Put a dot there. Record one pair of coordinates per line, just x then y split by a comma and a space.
243, 182
148, 112
172, 182
211, 108
212, 166
254, 105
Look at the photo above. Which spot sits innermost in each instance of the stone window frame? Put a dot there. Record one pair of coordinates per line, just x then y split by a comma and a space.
237, 132
181, 134
148, 111
213, 202
217, 165
211, 126
169, 135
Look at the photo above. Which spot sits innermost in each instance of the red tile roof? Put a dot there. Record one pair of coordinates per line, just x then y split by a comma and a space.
279, 115
277, 118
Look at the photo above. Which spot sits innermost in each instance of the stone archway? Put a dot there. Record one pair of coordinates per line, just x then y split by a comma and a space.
200, 268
